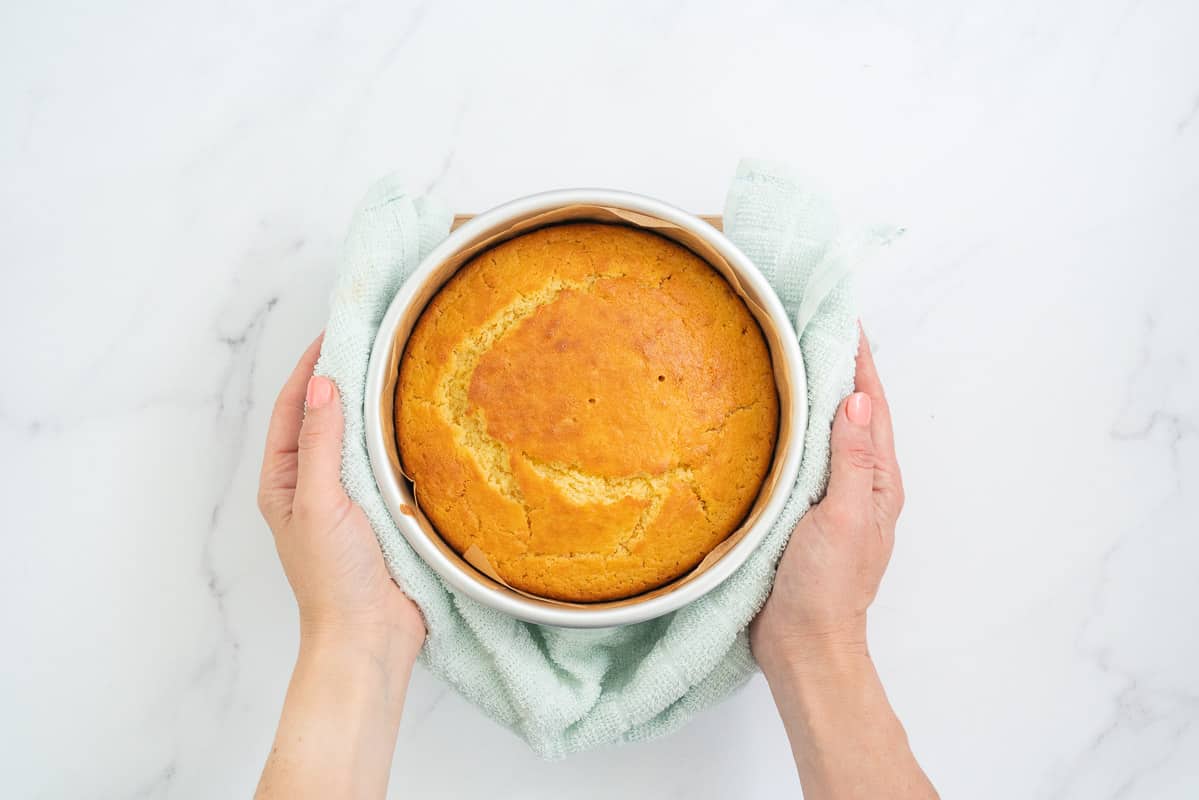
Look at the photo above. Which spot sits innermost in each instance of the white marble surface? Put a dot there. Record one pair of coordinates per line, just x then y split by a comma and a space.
175, 185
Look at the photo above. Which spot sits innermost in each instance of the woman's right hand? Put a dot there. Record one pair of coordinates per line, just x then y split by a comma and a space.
810, 637
831, 569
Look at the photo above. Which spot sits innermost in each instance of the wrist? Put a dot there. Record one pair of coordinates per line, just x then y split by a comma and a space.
342, 713
386, 645
361, 668
398, 632
825, 652
819, 677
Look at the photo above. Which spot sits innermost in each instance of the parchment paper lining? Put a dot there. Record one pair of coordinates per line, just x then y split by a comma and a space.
474, 562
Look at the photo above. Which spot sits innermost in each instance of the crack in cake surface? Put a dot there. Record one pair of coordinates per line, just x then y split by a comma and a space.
493, 457
453, 402
576, 485
646, 507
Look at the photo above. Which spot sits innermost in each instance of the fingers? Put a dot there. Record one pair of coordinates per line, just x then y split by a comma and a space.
888, 482
851, 481
277, 481
866, 380
319, 493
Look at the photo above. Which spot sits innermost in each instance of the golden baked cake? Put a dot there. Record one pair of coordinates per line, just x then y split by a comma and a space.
591, 406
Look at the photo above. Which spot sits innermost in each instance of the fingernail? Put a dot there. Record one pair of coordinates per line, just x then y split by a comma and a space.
320, 391
858, 408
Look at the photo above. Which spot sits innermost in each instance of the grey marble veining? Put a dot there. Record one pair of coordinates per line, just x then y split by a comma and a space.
176, 183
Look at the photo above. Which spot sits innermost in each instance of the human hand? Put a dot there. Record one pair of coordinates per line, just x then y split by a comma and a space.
325, 542
831, 569
359, 634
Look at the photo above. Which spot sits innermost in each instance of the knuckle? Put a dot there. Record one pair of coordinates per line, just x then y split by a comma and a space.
305, 508
269, 505
893, 492
311, 435
838, 516
860, 456
327, 508
310, 497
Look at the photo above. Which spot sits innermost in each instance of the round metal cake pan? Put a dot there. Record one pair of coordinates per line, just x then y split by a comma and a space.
512, 219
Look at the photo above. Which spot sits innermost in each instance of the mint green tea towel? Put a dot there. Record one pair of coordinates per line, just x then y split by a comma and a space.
565, 691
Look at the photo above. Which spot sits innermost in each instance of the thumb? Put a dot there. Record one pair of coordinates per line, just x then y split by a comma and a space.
319, 492
852, 470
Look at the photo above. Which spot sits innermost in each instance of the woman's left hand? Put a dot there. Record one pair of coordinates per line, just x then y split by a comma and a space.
359, 634
325, 542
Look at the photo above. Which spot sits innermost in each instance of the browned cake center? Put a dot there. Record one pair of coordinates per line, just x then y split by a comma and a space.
591, 406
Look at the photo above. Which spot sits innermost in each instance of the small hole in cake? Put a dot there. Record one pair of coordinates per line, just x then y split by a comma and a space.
591, 400
661, 378
743, 331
